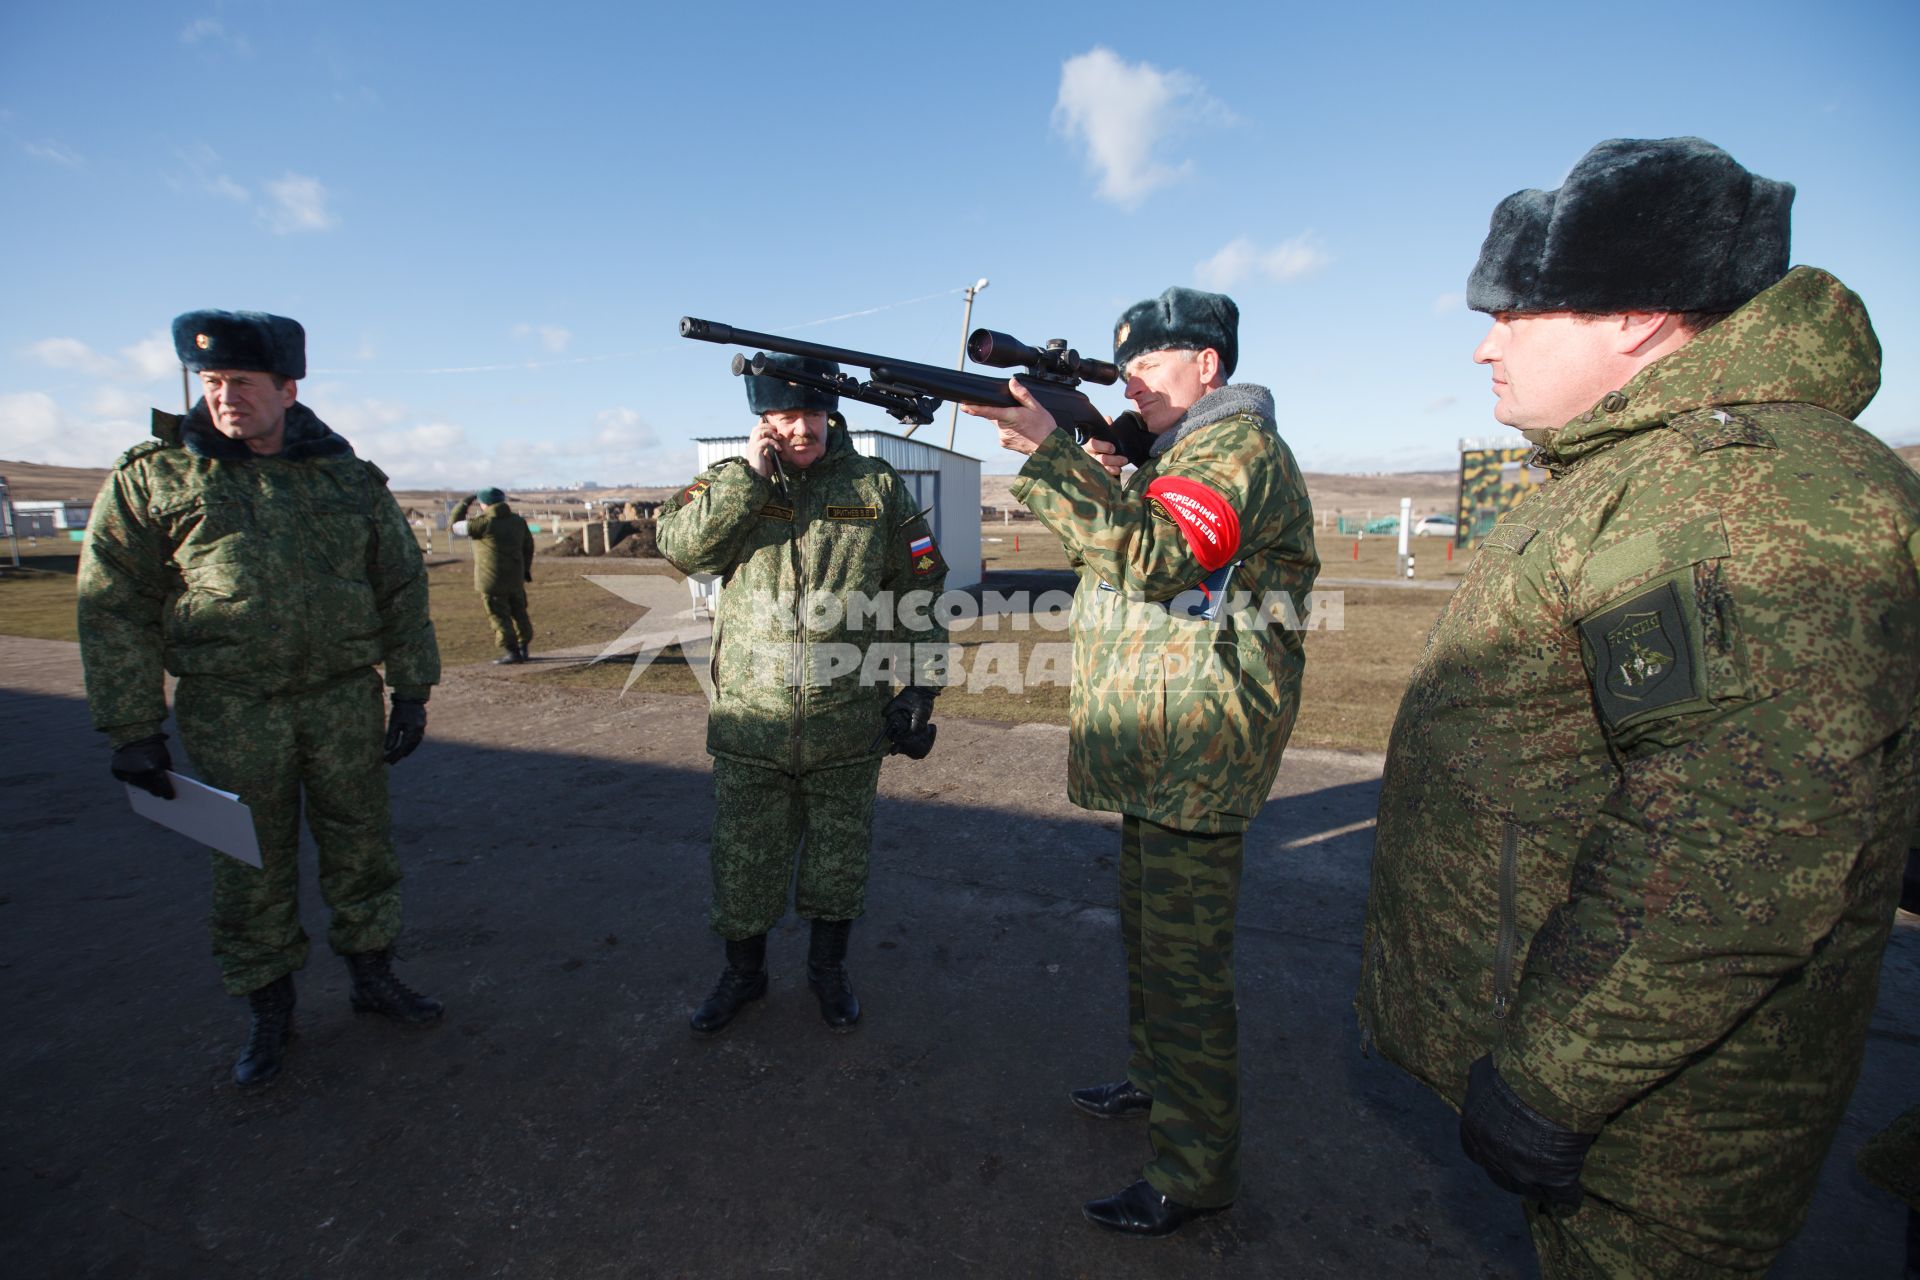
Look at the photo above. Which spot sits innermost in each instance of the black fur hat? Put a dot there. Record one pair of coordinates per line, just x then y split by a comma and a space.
241, 340
1180, 320
769, 394
1641, 224
490, 497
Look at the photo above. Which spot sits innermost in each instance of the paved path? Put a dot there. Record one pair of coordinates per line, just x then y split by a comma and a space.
562, 1123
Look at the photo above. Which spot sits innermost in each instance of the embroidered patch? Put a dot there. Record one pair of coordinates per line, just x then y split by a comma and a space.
774, 511
924, 555
853, 513
1641, 657
691, 492
1208, 520
1509, 537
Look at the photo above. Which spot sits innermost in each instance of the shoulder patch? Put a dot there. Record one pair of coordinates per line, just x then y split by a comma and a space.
692, 491
925, 555
1710, 429
1204, 516
1641, 656
1508, 536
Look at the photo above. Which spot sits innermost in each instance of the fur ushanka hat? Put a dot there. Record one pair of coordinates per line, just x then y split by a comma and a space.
245, 340
1641, 224
768, 393
1180, 320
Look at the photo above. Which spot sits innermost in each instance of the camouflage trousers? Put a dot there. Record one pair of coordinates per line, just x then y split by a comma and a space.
763, 817
324, 743
508, 614
1178, 892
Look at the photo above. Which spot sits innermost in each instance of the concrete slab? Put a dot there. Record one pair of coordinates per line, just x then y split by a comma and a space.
562, 1123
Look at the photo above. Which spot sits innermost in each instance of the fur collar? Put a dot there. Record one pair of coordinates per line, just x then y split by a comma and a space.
1215, 406
307, 437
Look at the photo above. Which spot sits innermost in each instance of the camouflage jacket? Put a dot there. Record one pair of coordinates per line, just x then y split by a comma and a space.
1657, 765
1177, 716
274, 574
502, 549
801, 666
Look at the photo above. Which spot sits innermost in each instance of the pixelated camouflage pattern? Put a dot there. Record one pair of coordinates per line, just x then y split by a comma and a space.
275, 574
766, 544
1891, 1157
761, 817
321, 744
502, 549
1178, 892
1491, 482
1180, 721
1667, 925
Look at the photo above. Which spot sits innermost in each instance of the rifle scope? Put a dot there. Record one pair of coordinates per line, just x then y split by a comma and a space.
1004, 351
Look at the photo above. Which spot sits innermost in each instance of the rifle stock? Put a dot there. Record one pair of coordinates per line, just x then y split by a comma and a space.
911, 391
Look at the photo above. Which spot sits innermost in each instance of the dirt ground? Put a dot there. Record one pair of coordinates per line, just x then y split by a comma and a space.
562, 1123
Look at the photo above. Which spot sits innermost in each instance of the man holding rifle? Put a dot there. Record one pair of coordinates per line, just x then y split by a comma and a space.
1182, 705
803, 700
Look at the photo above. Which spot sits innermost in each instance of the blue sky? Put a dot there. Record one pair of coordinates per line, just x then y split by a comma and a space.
490, 217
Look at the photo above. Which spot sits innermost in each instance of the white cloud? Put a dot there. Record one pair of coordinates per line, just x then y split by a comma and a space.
298, 203
34, 428
1242, 260
57, 152
202, 164
1123, 112
151, 357
207, 33
1448, 303
622, 430
551, 336
72, 355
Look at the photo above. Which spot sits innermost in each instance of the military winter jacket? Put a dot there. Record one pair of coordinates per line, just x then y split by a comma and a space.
1647, 797
1186, 676
502, 550
790, 560
274, 574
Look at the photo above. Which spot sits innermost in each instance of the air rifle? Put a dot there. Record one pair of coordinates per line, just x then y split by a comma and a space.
912, 392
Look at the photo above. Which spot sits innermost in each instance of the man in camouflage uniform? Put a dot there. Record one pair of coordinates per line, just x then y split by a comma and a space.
1185, 686
804, 531
1648, 795
248, 552
502, 568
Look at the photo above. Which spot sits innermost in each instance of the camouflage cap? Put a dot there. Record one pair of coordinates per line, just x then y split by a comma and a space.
1180, 320
768, 393
247, 340
1640, 224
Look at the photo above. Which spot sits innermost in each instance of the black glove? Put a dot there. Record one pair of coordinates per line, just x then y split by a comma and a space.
405, 727
909, 716
144, 764
1521, 1150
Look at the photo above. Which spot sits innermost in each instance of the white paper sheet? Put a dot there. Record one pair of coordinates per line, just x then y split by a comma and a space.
199, 812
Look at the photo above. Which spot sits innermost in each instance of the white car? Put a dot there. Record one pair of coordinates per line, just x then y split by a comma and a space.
1440, 526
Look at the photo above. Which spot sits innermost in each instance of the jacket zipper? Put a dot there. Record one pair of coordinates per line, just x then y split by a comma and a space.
1503, 950
797, 673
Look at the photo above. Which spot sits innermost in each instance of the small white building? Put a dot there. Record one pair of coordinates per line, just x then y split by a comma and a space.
946, 482
33, 518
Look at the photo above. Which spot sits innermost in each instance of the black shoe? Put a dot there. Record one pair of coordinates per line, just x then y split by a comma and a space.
377, 990
524, 655
743, 981
1142, 1211
511, 656
827, 974
269, 1034
1116, 1101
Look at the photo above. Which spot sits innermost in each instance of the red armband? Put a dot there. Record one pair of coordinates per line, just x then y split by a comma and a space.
1208, 521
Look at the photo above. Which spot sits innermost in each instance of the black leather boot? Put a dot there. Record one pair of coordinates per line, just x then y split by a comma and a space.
377, 990
827, 974
743, 980
508, 658
269, 1034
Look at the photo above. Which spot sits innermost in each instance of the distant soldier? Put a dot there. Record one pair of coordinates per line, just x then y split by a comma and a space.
799, 527
1181, 709
248, 552
1647, 800
502, 568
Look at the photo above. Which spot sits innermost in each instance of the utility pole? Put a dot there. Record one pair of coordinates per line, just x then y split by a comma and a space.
966, 327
